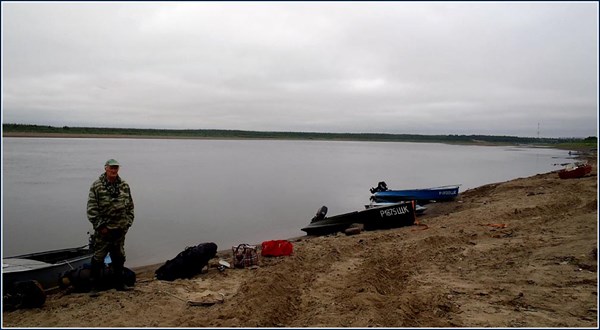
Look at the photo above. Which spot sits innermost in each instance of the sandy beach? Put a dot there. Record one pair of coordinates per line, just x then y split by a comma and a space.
521, 253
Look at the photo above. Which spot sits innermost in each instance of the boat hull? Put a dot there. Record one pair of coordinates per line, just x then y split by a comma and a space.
419, 209
380, 217
420, 195
44, 267
577, 172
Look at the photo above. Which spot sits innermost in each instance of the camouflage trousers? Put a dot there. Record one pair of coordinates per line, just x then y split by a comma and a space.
113, 242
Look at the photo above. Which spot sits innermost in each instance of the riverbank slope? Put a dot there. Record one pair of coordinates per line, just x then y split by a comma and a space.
521, 253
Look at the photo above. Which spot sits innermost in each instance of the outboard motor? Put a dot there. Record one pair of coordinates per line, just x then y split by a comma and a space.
381, 186
321, 212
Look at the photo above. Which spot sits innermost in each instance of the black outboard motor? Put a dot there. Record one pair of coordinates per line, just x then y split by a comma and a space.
381, 186
321, 212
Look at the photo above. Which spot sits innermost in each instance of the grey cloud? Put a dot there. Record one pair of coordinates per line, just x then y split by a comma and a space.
394, 67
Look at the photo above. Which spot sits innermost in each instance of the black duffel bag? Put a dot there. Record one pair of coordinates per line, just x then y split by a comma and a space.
188, 263
79, 279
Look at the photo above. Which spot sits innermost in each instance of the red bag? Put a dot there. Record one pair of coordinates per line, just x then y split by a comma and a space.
276, 248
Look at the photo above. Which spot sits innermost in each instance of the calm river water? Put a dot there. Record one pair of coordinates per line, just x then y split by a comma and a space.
188, 192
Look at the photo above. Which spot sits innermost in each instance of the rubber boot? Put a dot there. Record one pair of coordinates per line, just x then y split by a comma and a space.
95, 274
119, 277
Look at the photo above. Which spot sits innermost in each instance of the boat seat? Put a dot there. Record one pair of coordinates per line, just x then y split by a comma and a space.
11, 265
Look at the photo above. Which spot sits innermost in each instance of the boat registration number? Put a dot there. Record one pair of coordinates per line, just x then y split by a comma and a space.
394, 211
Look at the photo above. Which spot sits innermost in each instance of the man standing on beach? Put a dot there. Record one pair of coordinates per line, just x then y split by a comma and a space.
110, 210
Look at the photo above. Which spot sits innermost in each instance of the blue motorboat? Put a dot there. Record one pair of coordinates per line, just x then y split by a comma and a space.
381, 194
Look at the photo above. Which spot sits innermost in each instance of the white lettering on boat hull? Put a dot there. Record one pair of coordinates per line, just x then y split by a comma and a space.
448, 193
394, 211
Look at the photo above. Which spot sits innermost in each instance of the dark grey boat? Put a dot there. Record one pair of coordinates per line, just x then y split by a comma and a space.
44, 267
380, 217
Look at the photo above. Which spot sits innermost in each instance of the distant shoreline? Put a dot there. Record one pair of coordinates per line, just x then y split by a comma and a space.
163, 137
174, 137
113, 136
41, 131
150, 137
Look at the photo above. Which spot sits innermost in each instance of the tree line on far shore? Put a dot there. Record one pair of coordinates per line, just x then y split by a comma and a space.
240, 134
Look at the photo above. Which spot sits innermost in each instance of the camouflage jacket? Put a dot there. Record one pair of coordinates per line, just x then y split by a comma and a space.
110, 204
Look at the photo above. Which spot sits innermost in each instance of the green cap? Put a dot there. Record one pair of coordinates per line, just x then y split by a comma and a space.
112, 162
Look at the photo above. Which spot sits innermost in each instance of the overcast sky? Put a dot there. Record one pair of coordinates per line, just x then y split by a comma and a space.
388, 67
